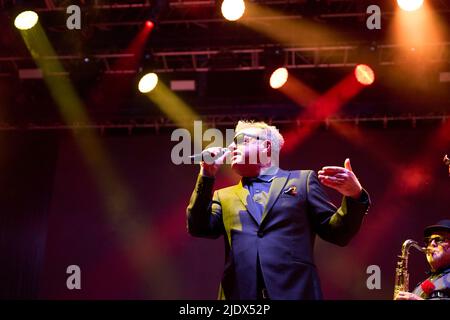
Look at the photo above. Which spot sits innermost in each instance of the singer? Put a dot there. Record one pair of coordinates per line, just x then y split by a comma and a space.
437, 285
269, 220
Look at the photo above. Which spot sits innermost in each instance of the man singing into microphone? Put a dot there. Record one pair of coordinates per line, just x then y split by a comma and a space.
270, 219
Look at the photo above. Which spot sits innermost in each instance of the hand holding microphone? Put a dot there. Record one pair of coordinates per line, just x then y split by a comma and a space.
211, 159
210, 154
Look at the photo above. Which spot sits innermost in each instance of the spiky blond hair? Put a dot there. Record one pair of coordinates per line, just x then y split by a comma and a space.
269, 132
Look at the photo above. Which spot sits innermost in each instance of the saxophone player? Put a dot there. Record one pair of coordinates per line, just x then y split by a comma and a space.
437, 285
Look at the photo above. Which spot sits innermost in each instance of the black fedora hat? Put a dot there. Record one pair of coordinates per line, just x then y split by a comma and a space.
443, 225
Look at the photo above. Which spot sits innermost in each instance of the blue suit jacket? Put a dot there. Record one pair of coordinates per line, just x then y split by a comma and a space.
284, 239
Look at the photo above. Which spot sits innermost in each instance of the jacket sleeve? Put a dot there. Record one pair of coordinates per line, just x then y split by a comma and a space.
204, 212
335, 225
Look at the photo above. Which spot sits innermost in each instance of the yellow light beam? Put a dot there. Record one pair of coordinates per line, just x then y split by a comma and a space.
118, 200
288, 31
417, 31
175, 109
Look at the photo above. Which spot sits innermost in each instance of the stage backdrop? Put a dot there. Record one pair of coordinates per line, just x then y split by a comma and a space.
114, 206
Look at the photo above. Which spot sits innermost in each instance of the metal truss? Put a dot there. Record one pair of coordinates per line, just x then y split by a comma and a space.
302, 58
245, 59
160, 124
199, 58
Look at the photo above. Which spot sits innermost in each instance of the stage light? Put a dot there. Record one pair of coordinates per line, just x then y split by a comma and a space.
149, 24
278, 78
148, 82
233, 10
410, 5
26, 20
364, 74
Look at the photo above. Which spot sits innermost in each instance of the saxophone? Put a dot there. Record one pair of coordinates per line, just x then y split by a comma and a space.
401, 271
447, 163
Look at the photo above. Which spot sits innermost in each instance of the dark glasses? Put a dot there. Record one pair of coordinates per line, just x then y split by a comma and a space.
240, 138
437, 239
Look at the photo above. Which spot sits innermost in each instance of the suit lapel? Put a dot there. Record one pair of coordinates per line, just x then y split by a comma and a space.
276, 187
244, 196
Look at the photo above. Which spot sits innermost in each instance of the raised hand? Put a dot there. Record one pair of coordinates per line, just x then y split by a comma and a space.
210, 168
341, 179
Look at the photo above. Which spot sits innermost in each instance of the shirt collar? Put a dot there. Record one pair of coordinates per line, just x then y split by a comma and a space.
267, 176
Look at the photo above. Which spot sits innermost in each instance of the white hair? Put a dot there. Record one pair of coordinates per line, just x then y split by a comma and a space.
270, 133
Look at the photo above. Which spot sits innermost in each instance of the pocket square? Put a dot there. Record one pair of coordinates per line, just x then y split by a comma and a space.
292, 190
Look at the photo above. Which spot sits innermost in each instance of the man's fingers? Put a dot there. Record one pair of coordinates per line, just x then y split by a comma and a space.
399, 296
332, 170
331, 180
404, 295
336, 169
214, 156
341, 175
347, 164
344, 176
221, 159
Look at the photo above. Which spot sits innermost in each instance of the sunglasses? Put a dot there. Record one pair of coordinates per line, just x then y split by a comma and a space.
240, 138
437, 239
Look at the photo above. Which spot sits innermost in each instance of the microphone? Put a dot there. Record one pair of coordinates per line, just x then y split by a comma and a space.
206, 153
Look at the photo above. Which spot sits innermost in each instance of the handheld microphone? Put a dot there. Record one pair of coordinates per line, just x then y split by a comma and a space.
206, 153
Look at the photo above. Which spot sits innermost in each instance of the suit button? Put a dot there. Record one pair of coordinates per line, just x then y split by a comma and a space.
260, 234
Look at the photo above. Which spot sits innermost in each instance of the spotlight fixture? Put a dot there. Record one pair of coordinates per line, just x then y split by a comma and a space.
364, 74
410, 5
26, 20
233, 10
148, 82
279, 78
